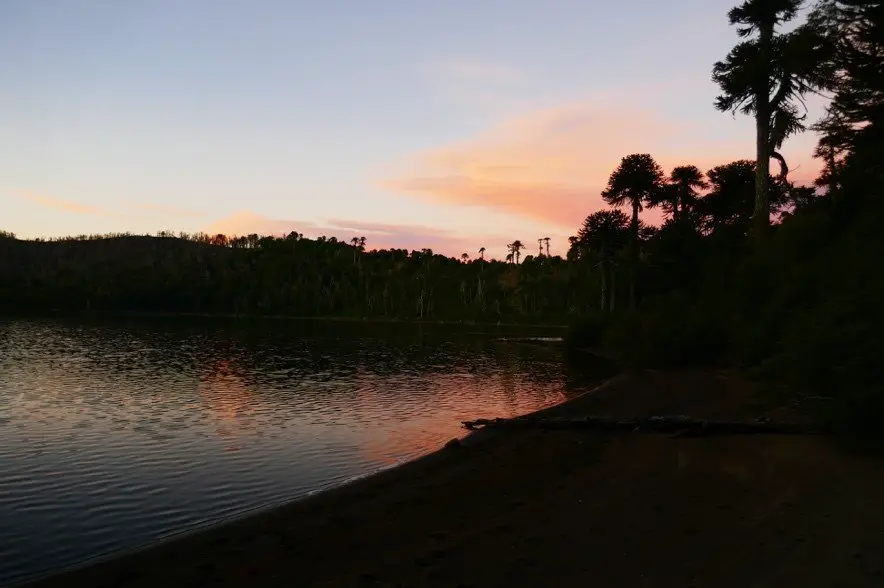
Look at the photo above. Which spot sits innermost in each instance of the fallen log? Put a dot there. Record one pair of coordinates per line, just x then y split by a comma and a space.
678, 425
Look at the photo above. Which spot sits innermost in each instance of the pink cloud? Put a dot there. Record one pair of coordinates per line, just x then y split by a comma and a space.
553, 164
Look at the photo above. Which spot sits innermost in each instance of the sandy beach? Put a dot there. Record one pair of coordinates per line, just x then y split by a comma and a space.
564, 508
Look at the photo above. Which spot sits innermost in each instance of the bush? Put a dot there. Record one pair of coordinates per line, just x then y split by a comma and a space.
588, 332
814, 322
681, 334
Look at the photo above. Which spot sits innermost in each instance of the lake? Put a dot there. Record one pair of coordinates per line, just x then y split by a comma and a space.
114, 434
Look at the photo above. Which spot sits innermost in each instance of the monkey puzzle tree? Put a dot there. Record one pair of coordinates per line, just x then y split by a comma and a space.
730, 201
852, 131
602, 236
516, 248
635, 182
686, 180
767, 76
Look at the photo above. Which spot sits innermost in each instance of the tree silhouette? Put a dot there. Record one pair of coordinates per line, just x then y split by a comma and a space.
767, 76
482, 253
516, 247
681, 191
602, 236
635, 182
546, 241
464, 257
731, 199
798, 198
853, 128
573, 249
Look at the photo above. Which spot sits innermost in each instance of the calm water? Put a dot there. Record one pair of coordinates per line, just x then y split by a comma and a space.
116, 434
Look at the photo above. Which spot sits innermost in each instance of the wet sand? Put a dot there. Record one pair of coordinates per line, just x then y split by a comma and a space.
564, 508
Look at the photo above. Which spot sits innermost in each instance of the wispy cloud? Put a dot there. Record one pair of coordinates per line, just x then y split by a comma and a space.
133, 208
68, 205
551, 165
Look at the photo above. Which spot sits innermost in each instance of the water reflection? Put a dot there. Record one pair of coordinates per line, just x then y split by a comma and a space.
112, 434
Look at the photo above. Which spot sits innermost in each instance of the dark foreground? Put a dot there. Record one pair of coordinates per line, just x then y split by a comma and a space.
565, 508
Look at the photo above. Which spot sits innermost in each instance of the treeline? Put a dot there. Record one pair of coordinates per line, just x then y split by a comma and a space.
291, 275
326, 277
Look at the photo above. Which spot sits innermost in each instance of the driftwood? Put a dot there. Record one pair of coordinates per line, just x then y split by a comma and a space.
678, 425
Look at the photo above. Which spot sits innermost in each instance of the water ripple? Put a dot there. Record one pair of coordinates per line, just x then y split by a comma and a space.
113, 435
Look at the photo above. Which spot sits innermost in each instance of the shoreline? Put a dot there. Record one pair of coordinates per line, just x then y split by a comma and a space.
496, 510
469, 439
58, 313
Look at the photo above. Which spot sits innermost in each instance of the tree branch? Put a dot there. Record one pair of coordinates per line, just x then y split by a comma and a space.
784, 168
782, 92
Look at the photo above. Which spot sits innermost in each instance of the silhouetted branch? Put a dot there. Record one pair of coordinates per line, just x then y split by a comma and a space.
784, 168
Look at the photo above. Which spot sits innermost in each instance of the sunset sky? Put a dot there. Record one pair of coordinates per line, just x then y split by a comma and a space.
451, 124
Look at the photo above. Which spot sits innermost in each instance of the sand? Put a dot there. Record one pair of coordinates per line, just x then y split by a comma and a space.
564, 508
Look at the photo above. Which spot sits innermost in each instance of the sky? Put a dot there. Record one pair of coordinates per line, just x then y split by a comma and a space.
449, 124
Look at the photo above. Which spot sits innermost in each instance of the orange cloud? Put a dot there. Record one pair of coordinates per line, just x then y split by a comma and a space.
86, 209
552, 165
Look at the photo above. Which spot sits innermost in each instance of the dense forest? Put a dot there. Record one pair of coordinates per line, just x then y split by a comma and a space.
747, 268
325, 277
292, 275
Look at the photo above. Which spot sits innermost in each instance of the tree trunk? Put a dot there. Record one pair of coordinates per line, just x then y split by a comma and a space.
633, 253
833, 172
604, 267
784, 167
761, 214
612, 296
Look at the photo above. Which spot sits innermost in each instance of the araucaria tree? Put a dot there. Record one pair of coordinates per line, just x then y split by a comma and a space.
767, 76
635, 182
515, 249
852, 131
685, 181
602, 236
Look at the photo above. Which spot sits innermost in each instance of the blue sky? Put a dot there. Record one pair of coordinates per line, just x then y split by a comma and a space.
444, 123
